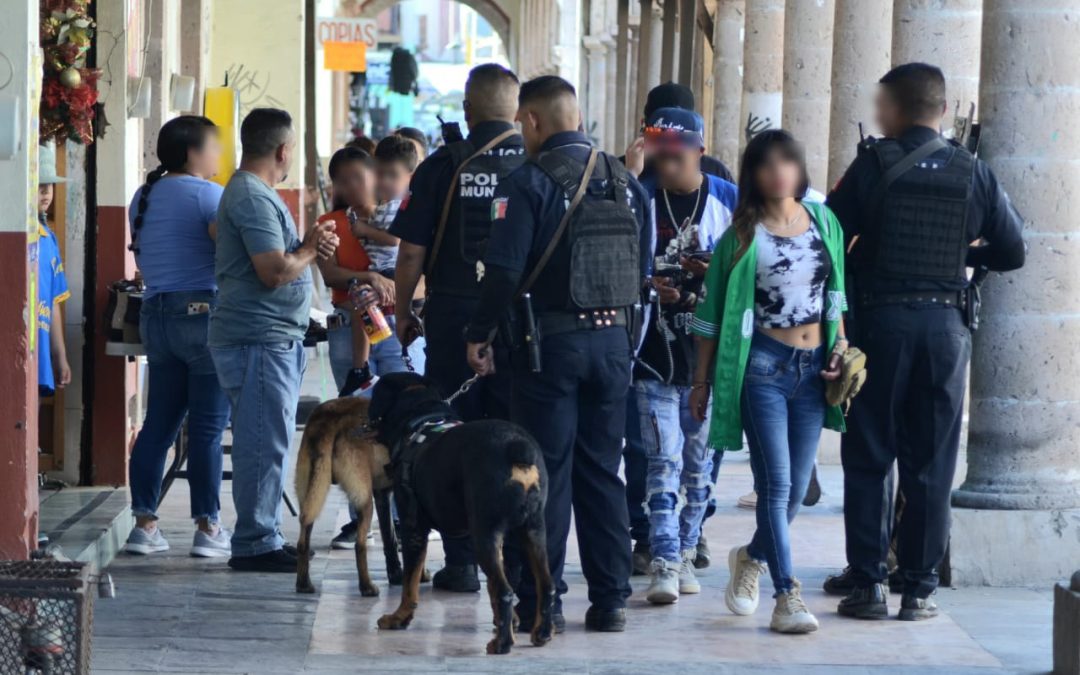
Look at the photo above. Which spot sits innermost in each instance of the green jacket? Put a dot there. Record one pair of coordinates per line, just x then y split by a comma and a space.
727, 316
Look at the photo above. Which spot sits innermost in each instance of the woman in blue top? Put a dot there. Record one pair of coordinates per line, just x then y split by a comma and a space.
172, 234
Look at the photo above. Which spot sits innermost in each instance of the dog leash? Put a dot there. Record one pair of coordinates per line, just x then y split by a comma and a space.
465, 386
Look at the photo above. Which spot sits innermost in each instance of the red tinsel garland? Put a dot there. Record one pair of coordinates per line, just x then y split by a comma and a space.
69, 88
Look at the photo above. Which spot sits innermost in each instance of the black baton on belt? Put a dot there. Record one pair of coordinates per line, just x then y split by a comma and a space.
532, 335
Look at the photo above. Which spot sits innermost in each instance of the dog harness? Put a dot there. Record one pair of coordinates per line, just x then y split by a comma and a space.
421, 433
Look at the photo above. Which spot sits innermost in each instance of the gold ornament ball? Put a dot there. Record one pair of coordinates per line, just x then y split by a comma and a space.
70, 78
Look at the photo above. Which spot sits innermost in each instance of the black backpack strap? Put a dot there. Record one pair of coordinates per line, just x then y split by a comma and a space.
581, 182
563, 169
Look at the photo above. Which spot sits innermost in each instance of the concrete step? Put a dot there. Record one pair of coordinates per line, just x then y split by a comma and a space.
89, 524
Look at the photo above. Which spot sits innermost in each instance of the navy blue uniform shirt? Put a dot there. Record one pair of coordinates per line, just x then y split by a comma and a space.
526, 212
991, 216
418, 215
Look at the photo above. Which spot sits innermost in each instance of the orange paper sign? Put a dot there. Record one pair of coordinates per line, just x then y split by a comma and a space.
348, 56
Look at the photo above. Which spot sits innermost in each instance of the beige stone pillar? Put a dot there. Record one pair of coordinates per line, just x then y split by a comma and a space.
763, 64
669, 54
946, 34
808, 47
728, 25
649, 48
1019, 521
622, 72
689, 42
195, 48
860, 58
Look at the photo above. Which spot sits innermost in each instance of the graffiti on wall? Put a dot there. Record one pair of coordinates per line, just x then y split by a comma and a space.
252, 88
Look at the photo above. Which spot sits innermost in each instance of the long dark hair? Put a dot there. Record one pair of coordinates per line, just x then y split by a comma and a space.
751, 205
176, 138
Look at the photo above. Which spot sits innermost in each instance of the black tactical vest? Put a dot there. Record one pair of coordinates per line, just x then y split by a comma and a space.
921, 221
469, 224
596, 263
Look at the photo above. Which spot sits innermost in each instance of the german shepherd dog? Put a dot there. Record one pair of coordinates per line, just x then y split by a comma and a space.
486, 479
337, 447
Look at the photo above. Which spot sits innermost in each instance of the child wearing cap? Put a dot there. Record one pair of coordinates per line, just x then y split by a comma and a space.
53, 368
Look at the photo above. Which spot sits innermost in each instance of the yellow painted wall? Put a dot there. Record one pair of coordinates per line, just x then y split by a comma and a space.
261, 46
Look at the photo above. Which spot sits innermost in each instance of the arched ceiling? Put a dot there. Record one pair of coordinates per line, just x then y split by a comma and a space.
494, 11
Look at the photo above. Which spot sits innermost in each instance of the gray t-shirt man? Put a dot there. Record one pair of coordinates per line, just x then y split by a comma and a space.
252, 219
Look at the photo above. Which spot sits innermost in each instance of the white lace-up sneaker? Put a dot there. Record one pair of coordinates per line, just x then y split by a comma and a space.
143, 542
218, 545
664, 584
791, 614
688, 582
742, 590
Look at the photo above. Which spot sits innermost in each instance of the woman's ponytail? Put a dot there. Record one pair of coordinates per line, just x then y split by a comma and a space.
177, 137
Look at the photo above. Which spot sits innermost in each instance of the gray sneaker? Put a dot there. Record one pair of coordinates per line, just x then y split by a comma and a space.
216, 546
688, 582
141, 542
664, 585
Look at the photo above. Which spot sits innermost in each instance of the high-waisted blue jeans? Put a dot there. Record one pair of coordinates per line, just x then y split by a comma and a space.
783, 412
182, 382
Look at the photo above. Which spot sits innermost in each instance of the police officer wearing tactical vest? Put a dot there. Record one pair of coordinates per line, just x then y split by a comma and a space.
566, 262
444, 225
917, 210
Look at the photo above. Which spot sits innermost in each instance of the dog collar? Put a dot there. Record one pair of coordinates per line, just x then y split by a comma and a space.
432, 427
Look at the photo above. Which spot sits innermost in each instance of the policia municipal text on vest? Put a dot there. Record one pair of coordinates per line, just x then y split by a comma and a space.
453, 264
588, 275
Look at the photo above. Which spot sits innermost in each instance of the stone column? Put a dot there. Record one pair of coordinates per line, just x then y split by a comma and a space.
622, 72
728, 26
669, 54
1019, 516
195, 47
763, 64
860, 58
808, 47
649, 48
594, 92
946, 34
689, 40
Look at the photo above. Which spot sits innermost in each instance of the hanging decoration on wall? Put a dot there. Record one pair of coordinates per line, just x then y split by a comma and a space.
69, 89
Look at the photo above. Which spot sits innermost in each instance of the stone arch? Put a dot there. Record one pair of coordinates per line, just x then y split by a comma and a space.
489, 9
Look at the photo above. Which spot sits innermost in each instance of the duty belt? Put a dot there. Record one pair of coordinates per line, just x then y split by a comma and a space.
956, 299
594, 319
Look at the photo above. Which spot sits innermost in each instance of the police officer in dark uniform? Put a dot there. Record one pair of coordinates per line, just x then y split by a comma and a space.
917, 210
444, 225
579, 248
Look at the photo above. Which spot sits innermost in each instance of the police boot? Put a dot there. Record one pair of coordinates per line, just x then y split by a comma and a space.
865, 602
457, 579
605, 620
916, 609
840, 584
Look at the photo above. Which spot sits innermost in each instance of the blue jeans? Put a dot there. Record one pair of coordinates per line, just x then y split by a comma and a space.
385, 356
262, 382
679, 474
783, 412
182, 382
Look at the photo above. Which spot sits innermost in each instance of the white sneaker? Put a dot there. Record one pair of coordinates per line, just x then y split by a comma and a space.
688, 582
748, 500
741, 596
664, 585
791, 614
143, 542
217, 546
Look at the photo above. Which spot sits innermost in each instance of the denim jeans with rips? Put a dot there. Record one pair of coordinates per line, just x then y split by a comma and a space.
679, 478
262, 381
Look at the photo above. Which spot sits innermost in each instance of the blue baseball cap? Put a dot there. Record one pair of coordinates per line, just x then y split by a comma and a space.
667, 127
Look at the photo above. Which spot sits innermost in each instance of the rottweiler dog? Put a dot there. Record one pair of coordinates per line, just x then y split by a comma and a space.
485, 479
338, 447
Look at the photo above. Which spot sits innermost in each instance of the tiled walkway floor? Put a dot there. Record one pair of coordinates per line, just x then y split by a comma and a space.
179, 614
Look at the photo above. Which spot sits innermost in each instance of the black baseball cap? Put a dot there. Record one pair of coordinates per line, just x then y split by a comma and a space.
668, 95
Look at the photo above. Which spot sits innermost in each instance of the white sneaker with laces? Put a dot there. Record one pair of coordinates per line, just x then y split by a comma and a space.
218, 545
145, 542
741, 596
688, 582
791, 614
664, 584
